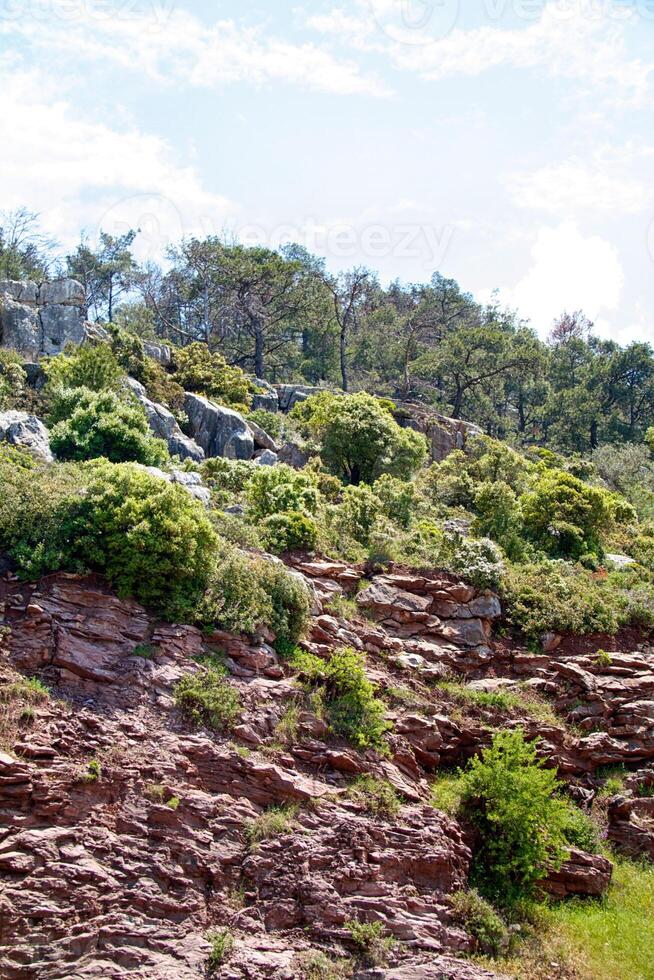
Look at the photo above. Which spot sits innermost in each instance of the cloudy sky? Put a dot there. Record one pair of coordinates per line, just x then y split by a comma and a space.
507, 143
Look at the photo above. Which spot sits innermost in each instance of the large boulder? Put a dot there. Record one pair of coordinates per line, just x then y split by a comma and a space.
159, 352
220, 431
265, 397
261, 438
20, 326
163, 424
26, 432
443, 433
37, 320
290, 395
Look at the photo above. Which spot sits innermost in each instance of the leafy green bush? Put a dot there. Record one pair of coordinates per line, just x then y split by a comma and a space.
34, 504
95, 368
270, 422
209, 374
398, 498
222, 945
12, 379
103, 425
207, 698
286, 532
519, 819
278, 489
148, 537
371, 943
359, 438
567, 517
346, 694
498, 516
357, 513
477, 560
448, 482
245, 593
227, 474
481, 921
555, 597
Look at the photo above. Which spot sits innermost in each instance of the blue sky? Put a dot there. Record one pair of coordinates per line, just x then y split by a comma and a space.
506, 143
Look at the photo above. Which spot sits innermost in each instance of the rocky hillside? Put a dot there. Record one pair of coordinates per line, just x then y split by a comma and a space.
130, 835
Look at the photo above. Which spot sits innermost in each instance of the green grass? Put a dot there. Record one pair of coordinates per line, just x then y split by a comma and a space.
595, 939
376, 795
517, 698
446, 792
277, 820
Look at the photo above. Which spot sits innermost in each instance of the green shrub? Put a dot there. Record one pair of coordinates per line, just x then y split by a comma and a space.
347, 695
226, 474
398, 498
198, 369
567, 517
103, 425
12, 380
481, 921
286, 532
95, 368
357, 513
477, 560
148, 537
246, 593
34, 503
270, 422
222, 945
371, 943
448, 482
498, 516
207, 698
376, 795
359, 438
278, 489
161, 386
512, 802
554, 597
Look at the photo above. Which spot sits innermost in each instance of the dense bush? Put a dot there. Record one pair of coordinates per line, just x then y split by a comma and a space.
566, 517
103, 425
279, 489
207, 698
359, 438
12, 380
289, 531
355, 516
481, 921
498, 516
553, 596
246, 594
519, 818
346, 695
148, 537
209, 374
34, 501
95, 368
477, 560
449, 482
398, 498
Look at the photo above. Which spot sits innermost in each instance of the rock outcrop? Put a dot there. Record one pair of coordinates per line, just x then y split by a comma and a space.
163, 424
218, 430
36, 320
26, 432
443, 433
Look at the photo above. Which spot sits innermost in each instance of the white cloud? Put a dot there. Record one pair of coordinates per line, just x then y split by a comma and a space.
83, 174
180, 49
568, 271
578, 40
573, 185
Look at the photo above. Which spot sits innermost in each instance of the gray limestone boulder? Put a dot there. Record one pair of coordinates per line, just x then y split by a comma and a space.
163, 424
20, 326
219, 430
265, 397
60, 325
158, 352
61, 292
21, 292
261, 438
290, 395
266, 458
26, 432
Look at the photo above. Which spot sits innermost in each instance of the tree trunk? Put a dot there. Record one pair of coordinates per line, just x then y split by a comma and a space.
343, 357
593, 435
258, 351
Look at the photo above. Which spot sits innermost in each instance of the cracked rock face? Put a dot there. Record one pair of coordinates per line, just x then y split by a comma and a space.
26, 432
36, 320
218, 430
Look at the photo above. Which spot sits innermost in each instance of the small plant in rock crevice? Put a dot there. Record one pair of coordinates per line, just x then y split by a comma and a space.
207, 698
222, 946
372, 945
377, 796
271, 823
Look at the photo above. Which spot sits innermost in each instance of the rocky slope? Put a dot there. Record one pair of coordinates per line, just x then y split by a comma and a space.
124, 830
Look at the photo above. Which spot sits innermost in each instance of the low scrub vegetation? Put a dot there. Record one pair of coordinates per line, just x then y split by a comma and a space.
207, 698
271, 823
